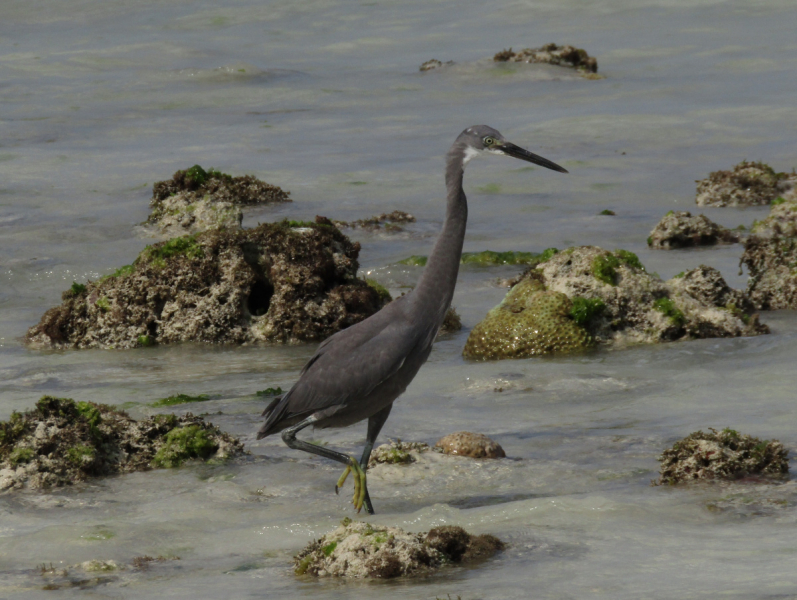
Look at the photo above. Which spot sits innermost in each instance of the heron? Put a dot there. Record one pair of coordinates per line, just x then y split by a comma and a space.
358, 373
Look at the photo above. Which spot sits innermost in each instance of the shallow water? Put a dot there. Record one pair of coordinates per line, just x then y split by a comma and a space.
99, 100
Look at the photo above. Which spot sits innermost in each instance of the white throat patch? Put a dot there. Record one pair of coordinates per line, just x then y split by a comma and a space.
469, 154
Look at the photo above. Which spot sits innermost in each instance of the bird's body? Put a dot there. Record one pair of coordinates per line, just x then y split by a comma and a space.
359, 372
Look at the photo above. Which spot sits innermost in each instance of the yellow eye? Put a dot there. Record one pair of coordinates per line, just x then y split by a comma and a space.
488, 141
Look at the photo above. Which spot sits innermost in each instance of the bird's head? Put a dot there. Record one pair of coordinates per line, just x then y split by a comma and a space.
482, 139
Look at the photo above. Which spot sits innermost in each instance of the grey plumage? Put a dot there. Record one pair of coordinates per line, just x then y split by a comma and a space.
357, 373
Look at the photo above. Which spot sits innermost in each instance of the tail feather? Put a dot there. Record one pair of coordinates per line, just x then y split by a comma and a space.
274, 412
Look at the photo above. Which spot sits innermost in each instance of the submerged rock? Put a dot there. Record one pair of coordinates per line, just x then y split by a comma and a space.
679, 229
588, 295
472, 445
361, 550
278, 282
397, 453
195, 200
61, 442
725, 454
770, 253
565, 56
452, 322
747, 184
435, 64
390, 221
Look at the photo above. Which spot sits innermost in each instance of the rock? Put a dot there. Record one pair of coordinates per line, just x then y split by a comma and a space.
282, 282
770, 253
565, 56
747, 184
587, 295
61, 442
473, 445
362, 550
451, 323
435, 64
680, 229
195, 200
397, 453
725, 454
389, 220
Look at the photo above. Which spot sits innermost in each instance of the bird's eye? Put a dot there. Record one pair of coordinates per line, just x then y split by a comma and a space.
488, 141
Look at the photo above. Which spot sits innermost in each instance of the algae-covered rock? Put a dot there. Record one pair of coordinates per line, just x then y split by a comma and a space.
61, 442
472, 445
396, 452
278, 282
679, 229
195, 200
747, 184
565, 56
362, 550
435, 64
452, 322
725, 454
529, 321
587, 294
770, 254
388, 221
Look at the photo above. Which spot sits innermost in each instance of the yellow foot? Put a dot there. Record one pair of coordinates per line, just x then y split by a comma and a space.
360, 488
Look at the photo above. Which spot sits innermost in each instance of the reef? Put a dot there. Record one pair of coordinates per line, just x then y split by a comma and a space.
725, 454
396, 452
472, 445
679, 229
770, 254
565, 56
195, 200
284, 282
388, 221
362, 550
586, 295
61, 442
435, 64
747, 184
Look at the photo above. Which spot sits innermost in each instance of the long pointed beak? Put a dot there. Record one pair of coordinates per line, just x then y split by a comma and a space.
517, 152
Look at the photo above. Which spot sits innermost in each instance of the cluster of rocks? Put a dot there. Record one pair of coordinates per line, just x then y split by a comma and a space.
586, 295
747, 184
61, 442
278, 282
195, 200
362, 550
679, 229
725, 454
565, 56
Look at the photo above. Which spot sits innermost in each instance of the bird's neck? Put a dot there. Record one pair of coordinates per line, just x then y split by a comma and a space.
436, 286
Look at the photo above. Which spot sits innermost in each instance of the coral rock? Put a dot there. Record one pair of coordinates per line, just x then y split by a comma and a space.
723, 454
680, 229
566, 56
361, 550
473, 445
747, 184
278, 282
397, 453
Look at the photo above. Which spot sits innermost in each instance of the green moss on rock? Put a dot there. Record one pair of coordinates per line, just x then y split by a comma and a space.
585, 309
180, 399
182, 444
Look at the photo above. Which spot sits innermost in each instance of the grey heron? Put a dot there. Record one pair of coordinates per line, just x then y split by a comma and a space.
359, 372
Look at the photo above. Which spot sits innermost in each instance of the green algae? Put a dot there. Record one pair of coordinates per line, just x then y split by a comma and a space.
269, 392
778, 200
416, 260
604, 268
158, 254
668, 308
607, 212
80, 455
77, 288
629, 258
197, 176
329, 548
145, 341
585, 309
180, 399
384, 294
123, 271
184, 443
490, 258
21, 456
103, 304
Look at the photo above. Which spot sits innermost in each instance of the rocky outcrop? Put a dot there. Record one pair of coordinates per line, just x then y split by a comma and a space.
282, 282
725, 454
472, 445
747, 184
588, 295
194, 200
565, 56
61, 442
365, 551
679, 229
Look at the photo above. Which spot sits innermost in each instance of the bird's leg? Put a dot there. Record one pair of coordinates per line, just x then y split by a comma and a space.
375, 424
360, 491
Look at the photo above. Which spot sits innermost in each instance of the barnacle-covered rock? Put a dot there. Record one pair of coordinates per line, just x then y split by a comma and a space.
679, 229
566, 56
362, 550
725, 454
195, 200
747, 184
472, 445
278, 282
587, 293
61, 442
396, 452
